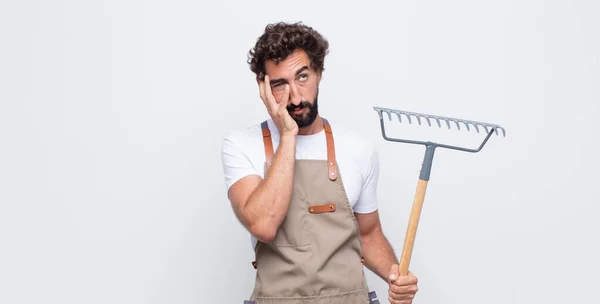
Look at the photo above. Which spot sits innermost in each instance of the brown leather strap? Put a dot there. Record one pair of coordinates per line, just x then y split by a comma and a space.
331, 162
322, 208
268, 143
332, 171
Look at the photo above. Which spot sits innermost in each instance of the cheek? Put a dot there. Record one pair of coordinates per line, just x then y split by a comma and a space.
308, 91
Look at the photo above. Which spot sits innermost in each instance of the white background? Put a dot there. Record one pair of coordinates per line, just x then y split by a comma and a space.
112, 115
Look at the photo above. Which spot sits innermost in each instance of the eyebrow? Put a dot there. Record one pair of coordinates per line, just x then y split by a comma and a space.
280, 80
302, 69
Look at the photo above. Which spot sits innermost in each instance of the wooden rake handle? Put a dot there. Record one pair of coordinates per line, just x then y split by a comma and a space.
415, 214
413, 223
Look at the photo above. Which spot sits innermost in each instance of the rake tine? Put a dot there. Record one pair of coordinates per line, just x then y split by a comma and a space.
457, 125
389, 115
438, 121
476, 127
409, 120
447, 122
399, 117
467, 125
428, 122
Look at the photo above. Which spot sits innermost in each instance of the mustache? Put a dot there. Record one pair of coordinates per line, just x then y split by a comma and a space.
301, 105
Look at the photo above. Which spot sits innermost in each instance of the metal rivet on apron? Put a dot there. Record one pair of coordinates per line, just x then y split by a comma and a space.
330, 206
331, 164
331, 173
312, 210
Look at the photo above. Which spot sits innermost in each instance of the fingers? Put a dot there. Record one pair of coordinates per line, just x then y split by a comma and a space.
286, 96
394, 301
393, 273
404, 290
402, 294
261, 89
268, 92
282, 103
409, 279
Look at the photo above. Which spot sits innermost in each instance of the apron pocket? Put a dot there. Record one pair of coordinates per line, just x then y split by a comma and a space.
295, 228
293, 232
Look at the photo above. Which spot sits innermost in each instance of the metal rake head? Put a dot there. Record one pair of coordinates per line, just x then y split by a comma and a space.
489, 128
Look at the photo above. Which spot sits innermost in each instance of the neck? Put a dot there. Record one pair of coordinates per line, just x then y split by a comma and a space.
313, 128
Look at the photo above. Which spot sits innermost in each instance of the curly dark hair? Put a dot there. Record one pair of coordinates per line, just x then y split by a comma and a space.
281, 39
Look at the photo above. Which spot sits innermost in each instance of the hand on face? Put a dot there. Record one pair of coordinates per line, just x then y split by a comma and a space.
278, 108
402, 289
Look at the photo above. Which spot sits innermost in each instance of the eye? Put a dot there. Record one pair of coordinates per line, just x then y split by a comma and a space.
303, 77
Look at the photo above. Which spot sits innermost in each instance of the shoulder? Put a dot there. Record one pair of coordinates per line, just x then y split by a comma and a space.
242, 137
242, 153
243, 143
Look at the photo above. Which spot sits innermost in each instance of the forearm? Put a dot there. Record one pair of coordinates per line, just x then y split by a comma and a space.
378, 253
267, 206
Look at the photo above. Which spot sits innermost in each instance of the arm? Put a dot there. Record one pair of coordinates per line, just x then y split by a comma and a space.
379, 255
261, 205
380, 258
377, 251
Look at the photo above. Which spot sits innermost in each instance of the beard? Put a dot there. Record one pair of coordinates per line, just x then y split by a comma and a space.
306, 119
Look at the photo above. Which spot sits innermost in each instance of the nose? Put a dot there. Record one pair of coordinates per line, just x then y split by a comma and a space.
295, 97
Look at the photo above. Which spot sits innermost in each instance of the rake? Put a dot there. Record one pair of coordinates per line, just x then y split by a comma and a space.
415, 214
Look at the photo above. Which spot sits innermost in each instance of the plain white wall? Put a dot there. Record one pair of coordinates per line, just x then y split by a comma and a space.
112, 115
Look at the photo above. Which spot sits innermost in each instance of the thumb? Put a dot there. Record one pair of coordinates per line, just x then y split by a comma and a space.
393, 273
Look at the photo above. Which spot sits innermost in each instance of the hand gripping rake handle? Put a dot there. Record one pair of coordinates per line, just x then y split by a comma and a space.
415, 213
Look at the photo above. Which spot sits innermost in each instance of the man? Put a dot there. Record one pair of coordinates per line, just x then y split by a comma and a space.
305, 189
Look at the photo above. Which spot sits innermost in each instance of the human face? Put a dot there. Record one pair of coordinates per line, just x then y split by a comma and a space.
296, 71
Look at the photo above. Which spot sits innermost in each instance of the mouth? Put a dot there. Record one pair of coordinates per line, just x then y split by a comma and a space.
298, 111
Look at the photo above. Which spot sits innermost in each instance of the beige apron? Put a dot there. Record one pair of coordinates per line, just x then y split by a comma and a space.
316, 254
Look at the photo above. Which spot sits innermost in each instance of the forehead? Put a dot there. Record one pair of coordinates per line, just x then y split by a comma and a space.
289, 65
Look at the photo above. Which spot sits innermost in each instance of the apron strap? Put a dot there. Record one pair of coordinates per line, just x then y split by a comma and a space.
331, 162
268, 142
332, 171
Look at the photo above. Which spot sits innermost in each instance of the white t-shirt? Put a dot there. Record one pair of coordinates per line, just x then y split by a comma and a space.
243, 154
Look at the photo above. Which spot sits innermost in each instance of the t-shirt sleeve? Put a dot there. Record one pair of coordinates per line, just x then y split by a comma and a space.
236, 163
367, 201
